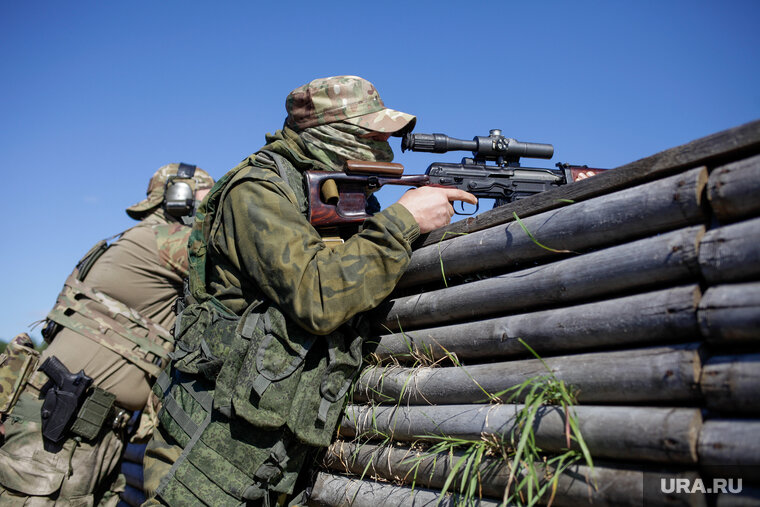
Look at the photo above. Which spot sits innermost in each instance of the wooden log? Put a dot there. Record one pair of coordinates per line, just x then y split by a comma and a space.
730, 253
731, 447
337, 490
656, 374
731, 313
635, 266
665, 316
749, 497
730, 442
732, 383
733, 189
651, 434
716, 149
619, 217
606, 485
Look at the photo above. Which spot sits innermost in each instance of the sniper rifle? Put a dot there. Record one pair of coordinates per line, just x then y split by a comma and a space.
494, 172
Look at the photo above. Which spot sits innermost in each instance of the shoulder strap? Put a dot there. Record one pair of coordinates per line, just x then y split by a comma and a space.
85, 263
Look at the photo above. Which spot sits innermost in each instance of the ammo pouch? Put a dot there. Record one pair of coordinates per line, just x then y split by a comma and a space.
17, 364
245, 394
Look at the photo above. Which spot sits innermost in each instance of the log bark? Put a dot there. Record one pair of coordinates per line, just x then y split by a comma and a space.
656, 374
716, 149
605, 485
731, 313
731, 447
337, 490
664, 435
732, 383
637, 266
749, 497
619, 217
730, 253
666, 316
733, 189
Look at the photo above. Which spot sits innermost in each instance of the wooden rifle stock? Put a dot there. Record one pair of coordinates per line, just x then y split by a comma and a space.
338, 198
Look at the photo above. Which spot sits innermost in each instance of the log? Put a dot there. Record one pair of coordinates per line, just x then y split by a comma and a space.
731, 313
731, 448
655, 374
730, 442
651, 434
730, 253
337, 490
667, 258
665, 316
749, 497
716, 149
732, 383
616, 485
733, 189
619, 217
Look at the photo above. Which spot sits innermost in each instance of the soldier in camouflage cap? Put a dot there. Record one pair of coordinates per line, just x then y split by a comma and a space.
344, 98
271, 336
112, 321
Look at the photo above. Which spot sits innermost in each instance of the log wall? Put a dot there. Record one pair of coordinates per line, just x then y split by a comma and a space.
647, 303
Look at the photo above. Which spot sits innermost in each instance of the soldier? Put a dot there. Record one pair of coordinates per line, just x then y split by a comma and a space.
65, 434
271, 336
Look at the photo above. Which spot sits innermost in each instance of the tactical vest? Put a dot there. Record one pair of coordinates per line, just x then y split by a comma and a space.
246, 392
108, 322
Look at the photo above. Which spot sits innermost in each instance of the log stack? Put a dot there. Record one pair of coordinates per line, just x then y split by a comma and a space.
643, 294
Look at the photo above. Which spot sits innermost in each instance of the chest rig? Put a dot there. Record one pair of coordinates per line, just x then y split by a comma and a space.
247, 396
106, 321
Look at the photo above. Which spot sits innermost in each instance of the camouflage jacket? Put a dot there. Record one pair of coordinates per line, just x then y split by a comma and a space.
261, 244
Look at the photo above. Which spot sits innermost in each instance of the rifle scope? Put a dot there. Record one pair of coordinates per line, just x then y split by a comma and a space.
493, 146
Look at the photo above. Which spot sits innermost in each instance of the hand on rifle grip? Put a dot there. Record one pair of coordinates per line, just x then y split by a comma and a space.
431, 206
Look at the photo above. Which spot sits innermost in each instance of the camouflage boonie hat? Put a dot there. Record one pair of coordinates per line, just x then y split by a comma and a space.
344, 98
157, 185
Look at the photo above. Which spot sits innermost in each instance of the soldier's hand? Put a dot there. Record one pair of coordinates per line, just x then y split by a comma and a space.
431, 206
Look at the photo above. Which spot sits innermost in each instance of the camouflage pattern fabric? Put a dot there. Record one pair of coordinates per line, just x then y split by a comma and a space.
29, 475
171, 242
96, 316
271, 248
114, 327
117, 318
344, 98
266, 334
16, 365
335, 143
156, 186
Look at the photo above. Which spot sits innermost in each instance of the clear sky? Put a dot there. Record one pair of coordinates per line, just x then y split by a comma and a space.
95, 96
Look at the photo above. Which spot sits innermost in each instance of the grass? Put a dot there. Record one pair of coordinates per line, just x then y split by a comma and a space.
532, 474
533, 238
440, 258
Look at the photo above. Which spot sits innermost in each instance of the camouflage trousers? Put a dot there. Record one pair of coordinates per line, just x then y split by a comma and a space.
81, 473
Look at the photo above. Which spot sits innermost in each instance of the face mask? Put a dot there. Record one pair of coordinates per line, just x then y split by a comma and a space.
334, 143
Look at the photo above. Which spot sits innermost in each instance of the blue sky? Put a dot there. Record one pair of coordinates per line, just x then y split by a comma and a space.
95, 96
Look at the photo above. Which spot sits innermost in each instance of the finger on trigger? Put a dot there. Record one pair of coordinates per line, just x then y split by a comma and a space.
455, 194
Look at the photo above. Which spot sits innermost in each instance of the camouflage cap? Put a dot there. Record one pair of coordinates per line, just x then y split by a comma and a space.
344, 98
157, 185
